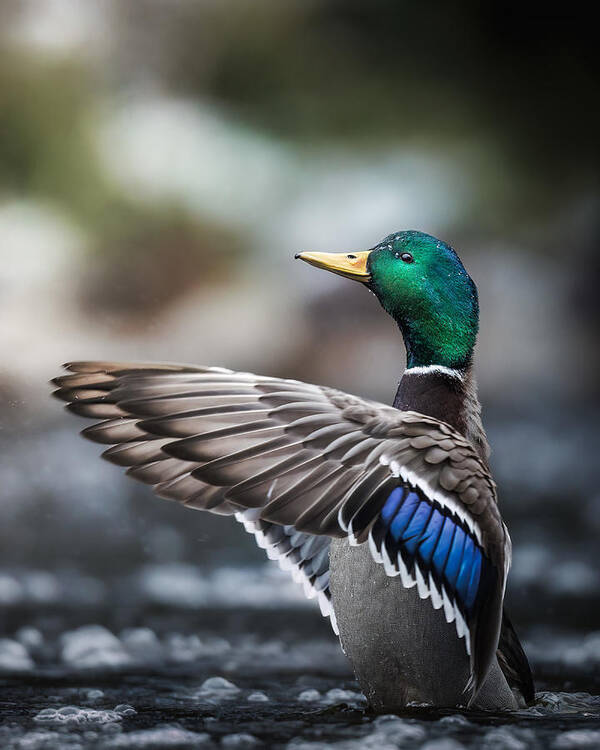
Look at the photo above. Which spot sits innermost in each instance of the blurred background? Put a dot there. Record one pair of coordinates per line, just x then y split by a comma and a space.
161, 163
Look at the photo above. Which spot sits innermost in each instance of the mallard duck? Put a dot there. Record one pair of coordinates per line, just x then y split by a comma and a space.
387, 514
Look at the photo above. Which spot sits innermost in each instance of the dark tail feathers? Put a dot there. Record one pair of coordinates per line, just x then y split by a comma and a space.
513, 661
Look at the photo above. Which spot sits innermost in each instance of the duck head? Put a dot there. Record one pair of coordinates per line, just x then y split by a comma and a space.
421, 282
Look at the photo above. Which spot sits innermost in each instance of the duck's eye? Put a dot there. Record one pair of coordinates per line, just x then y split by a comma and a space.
407, 258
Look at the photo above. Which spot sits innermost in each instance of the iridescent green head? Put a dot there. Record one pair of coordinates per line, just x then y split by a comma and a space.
421, 282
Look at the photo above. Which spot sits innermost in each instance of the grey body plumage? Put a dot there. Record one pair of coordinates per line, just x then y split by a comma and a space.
385, 629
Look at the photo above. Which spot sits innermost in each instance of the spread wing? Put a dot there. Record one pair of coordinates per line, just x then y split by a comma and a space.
320, 461
305, 556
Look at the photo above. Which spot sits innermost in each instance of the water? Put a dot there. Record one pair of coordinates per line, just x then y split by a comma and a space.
129, 622
158, 675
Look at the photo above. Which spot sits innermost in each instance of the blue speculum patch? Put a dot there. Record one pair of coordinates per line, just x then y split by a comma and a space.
412, 524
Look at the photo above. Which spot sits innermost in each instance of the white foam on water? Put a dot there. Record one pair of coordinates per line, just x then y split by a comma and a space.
508, 738
548, 703
30, 637
217, 688
183, 648
188, 586
159, 737
568, 649
93, 647
11, 591
258, 697
400, 731
338, 695
443, 743
390, 733
14, 657
573, 577
124, 709
309, 696
77, 715
454, 721
94, 695
142, 644
577, 738
239, 740
41, 739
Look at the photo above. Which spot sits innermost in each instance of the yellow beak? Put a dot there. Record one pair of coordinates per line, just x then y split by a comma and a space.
350, 265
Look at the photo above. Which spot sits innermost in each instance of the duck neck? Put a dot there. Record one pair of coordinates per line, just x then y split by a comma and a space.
448, 395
